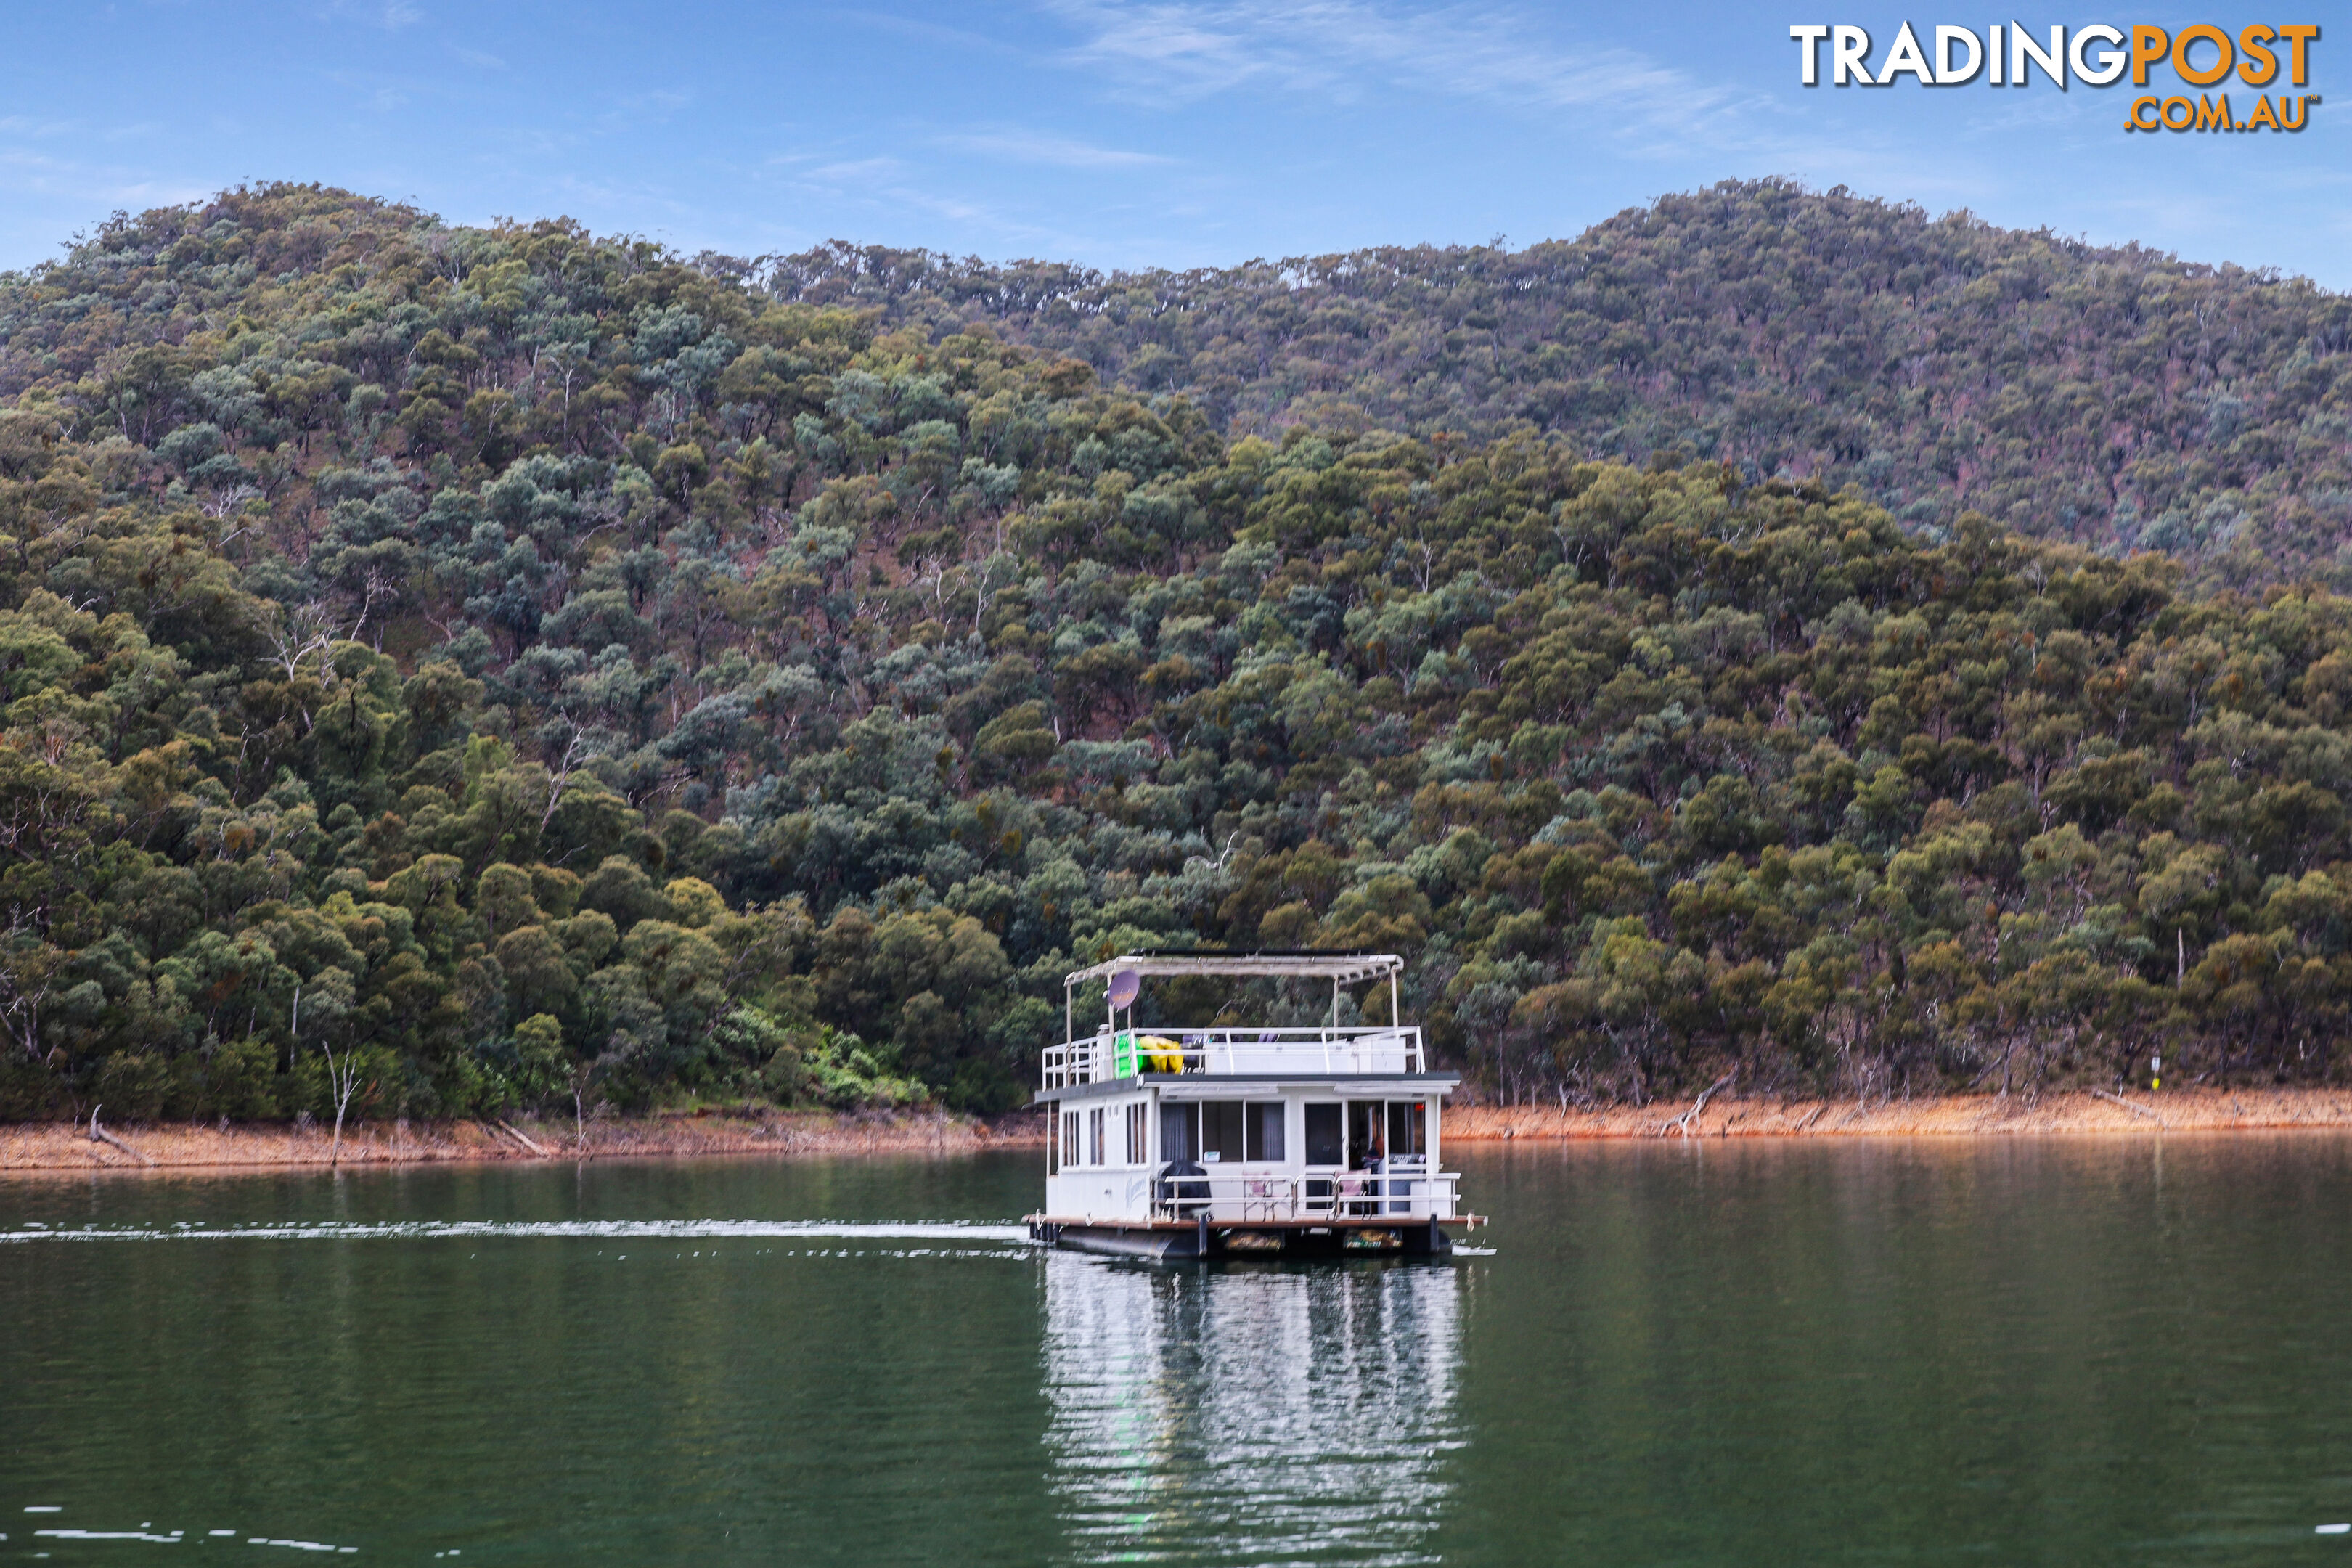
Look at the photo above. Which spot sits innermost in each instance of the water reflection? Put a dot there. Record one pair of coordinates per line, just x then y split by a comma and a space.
1252, 1416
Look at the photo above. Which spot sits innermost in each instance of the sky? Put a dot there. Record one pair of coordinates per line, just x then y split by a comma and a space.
1173, 133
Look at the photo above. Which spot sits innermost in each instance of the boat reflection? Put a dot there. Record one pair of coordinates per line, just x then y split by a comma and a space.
1252, 1416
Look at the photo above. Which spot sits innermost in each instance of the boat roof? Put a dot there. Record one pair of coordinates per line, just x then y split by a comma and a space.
1300, 963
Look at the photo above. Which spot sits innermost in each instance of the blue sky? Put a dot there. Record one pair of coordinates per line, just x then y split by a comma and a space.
1179, 132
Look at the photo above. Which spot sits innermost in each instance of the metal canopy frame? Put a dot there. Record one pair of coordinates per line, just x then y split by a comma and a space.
1338, 968
1343, 967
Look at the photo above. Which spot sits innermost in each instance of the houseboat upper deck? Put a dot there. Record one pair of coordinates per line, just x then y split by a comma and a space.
1198, 1140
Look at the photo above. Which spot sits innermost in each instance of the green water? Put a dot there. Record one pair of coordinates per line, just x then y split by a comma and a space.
1726, 1354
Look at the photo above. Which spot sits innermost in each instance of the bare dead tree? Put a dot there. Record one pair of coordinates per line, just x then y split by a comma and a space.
582, 1075
378, 584
985, 588
1222, 857
225, 500
25, 982
559, 777
343, 1081
932, 583
296, 634
448, 254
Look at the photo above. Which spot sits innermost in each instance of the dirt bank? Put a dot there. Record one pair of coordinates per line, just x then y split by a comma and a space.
54, 1146
2135, 1114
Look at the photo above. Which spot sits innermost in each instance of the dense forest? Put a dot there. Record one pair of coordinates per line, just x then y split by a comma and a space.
452, 669
2112, 396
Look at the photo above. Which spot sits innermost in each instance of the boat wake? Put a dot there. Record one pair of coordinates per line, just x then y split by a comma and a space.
946, 1235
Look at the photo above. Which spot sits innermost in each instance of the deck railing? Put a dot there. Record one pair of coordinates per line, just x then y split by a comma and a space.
1106, 1056
1239, 1198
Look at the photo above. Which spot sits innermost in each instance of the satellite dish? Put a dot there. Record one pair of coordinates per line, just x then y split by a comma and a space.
1123, 988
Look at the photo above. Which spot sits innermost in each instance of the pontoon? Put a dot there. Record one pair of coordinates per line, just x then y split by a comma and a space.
1238, 1140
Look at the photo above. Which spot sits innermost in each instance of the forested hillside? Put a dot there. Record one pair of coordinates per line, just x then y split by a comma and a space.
502, 664
2116, 397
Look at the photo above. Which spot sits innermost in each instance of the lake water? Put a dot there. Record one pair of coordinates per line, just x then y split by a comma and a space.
1738, 1354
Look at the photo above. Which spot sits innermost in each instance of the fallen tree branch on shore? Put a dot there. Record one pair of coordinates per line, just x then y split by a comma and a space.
1682, 1124
2128, 1105
526, 1142
100, 1135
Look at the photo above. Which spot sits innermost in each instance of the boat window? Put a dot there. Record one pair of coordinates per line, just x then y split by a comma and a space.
1053, 1152
1221, 1122
1069, 1138
1137, 1124
1180, 1132
1383, 1130
1096, 1153
1323, 1146
1261, 1121
1408, 1127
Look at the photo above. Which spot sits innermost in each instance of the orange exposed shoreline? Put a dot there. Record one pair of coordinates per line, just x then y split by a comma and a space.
60, 1146
63, 1146
2084, 1113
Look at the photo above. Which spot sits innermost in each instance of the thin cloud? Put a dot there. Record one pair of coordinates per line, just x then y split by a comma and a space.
1006, 227
23, 169
854, 169
925, 32
659, 106
1183, 50
1059, 152
479, 61
2037, 111
390, 14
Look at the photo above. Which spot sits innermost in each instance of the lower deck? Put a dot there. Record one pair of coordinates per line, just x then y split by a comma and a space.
1256, 1153
1201, 1238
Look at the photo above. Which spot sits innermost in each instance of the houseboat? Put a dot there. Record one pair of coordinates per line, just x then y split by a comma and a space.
1236, 1140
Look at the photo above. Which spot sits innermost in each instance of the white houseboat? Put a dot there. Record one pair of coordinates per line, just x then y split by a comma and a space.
1217, 1140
